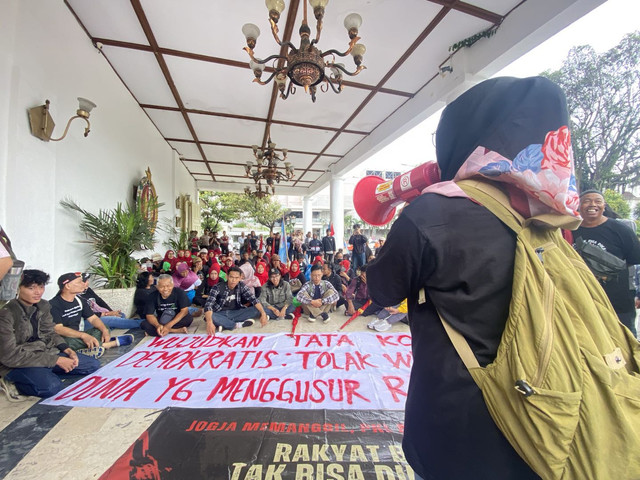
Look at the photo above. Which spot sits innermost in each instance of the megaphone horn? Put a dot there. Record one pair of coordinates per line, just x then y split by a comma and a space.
375, 200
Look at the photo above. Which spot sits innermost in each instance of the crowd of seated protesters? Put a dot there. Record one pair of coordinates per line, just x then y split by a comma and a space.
234, 289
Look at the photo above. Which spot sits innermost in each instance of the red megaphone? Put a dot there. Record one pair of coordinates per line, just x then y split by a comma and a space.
375, 200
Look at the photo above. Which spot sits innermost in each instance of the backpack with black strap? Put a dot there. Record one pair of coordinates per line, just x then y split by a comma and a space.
564, 387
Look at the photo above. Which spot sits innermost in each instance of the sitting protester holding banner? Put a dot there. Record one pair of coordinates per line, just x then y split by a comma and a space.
226, 307
32, 354
167, 309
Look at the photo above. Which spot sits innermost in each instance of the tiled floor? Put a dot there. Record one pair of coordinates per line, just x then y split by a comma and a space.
46, 442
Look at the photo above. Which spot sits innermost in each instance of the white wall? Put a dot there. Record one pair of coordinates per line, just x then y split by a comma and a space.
44, 54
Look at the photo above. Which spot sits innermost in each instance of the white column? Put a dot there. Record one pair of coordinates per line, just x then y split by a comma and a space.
307, 215
337, 209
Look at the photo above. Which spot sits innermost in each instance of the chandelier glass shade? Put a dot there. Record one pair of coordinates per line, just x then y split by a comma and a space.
305, 66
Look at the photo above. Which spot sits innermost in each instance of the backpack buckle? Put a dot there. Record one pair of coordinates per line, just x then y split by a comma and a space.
524, 388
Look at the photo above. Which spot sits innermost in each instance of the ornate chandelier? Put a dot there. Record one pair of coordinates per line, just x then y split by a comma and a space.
266, 166
305, 65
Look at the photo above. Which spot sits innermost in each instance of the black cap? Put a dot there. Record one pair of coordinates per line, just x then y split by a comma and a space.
274, 271
66, 278
591, 190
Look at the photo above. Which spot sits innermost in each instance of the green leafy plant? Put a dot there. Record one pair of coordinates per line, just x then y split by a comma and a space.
113, 236
469, 41
617, 203
177, 239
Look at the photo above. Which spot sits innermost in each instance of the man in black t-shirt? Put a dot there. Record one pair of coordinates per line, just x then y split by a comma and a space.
167, 309
617, 239
71, 314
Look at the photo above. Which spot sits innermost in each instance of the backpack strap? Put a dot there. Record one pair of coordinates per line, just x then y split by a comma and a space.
494, 198
461, 345
496, 201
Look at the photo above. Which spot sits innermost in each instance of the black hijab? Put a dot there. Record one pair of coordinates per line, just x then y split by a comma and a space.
503, 114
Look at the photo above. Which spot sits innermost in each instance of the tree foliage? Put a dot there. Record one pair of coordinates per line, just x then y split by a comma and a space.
265, 211
217, 208
617, 203
603, 96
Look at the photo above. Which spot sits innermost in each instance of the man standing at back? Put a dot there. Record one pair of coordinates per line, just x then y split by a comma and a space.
328, 246
617, 239
359, 242
224, 242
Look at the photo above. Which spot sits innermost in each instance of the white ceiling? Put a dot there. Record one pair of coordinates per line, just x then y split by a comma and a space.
184, 64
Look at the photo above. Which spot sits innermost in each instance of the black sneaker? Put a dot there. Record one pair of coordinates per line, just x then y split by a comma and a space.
248, 323
325, 317
312, 318
288, 316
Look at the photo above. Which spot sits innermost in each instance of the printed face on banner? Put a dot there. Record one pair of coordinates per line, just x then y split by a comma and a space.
357, 370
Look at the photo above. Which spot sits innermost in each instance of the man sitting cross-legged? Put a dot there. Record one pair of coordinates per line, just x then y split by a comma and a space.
71, 314
32, 354
317, 296
276, 297
167, 309
231, 305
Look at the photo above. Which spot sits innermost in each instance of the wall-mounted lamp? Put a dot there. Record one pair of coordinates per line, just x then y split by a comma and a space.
445, 69
42, 124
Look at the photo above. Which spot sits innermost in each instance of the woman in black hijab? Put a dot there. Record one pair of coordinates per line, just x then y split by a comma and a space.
463, 257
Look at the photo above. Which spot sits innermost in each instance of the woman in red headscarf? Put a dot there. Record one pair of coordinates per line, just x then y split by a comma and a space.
261, 272
211, 281
295, 277
185, 256
169, 261
228, 263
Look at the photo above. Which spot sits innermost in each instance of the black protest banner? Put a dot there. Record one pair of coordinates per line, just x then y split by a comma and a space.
262, 443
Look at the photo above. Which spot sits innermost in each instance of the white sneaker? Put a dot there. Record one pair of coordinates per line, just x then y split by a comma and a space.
382, 326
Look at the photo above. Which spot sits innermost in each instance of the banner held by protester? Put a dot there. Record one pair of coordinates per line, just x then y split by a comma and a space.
357, 370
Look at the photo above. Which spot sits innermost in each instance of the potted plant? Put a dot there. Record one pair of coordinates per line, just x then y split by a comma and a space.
113, 236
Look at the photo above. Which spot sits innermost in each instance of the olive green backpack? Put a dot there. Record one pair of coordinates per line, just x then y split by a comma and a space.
564, 387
